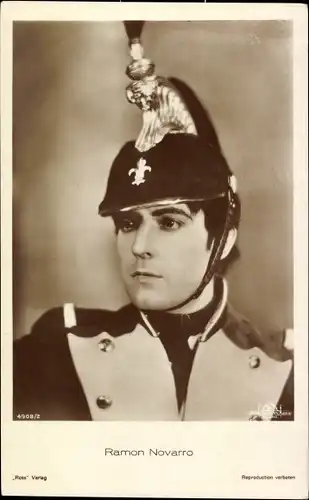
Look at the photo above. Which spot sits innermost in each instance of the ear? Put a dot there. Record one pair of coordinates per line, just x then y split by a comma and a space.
230, 242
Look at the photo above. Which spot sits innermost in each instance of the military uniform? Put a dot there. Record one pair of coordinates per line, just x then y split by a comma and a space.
83, 364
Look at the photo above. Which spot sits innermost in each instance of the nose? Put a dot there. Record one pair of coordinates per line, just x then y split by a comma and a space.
141, 247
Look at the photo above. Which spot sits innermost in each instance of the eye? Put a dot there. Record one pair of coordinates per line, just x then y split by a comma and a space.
127, 225
169, 223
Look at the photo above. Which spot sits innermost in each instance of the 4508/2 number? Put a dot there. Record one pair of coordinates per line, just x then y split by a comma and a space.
28, 416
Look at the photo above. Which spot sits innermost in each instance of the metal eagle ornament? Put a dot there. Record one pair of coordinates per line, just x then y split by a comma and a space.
163, 109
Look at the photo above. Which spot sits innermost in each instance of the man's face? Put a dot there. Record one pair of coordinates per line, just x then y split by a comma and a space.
163, 254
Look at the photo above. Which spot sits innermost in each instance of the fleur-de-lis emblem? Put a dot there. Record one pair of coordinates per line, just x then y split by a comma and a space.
139, 171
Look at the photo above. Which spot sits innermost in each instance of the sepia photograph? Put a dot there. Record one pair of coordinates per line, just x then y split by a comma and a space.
152, 221
154, 250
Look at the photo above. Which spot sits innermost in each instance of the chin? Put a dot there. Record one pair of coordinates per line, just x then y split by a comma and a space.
148, 301
148, 304
151, 301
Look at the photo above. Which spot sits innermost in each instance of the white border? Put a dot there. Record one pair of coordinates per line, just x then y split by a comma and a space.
70, 454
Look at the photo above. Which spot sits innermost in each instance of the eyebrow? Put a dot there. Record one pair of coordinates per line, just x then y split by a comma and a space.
170, 210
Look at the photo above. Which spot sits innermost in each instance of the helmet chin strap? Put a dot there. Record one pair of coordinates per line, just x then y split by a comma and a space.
214, 258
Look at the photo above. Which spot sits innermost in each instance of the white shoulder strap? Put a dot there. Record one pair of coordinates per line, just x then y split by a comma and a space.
289, 339
69, 315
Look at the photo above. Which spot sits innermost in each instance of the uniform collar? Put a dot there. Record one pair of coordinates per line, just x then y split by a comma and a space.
201, 324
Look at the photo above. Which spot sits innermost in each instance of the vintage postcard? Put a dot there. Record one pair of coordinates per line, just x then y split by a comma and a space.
154, 243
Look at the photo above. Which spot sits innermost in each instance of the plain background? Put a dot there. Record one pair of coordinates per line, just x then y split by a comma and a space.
71, 117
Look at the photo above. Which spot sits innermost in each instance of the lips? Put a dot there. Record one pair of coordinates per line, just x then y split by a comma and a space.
145, 274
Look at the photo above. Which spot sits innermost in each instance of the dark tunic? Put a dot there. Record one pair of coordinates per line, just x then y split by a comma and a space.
45, 381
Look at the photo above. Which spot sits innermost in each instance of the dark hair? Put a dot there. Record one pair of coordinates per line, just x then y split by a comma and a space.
215, 218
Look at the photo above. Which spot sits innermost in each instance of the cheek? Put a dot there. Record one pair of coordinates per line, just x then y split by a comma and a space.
188, 253
123, 245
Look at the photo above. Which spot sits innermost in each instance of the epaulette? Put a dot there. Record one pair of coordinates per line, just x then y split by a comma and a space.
86, 322
276, 344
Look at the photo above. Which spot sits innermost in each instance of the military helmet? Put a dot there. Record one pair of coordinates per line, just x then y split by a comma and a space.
177, 156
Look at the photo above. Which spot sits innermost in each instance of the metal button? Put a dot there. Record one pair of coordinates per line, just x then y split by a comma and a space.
104, 402
254, 361
106, 345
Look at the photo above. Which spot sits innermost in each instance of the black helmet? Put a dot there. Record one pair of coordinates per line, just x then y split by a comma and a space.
180, 167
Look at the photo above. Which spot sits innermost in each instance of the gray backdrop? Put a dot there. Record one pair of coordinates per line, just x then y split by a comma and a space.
71, 116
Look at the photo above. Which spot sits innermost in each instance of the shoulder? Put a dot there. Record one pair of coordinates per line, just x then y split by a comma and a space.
269, 351
55, 323
36, 354
277, 344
